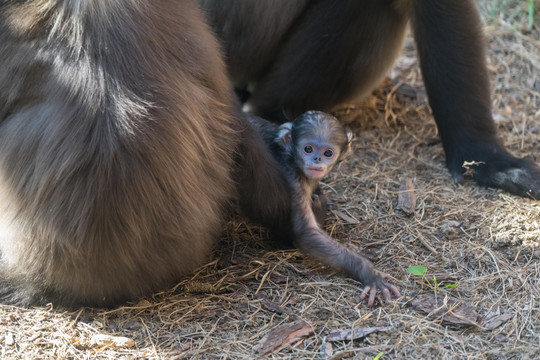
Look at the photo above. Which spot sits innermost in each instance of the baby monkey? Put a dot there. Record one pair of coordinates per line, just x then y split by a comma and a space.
308, 149
312, 145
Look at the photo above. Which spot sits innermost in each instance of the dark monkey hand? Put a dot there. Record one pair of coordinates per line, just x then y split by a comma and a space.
379, 282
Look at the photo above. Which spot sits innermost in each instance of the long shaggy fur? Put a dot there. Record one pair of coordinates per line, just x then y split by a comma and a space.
116, 147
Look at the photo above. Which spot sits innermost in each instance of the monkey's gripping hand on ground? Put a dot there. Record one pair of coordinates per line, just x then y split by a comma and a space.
363, 270
315, 242
378, 281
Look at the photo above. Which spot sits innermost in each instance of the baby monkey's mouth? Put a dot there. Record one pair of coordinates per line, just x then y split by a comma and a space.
315, 172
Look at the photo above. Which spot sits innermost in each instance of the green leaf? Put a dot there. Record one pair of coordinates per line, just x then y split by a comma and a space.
417, 270
453, 286
378, 355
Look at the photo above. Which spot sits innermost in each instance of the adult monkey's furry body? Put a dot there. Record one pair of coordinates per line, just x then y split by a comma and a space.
117, 142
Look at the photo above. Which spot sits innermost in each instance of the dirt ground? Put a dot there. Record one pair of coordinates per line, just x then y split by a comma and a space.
481, 246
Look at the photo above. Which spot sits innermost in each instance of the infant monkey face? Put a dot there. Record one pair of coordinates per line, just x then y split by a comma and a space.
317, 158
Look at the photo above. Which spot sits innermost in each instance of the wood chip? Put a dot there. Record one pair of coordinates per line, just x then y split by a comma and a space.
407, 196
497, 321
282, 336
115, 342
353, 334
447, 308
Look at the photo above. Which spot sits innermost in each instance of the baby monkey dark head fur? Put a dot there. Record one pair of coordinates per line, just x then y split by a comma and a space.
315, 142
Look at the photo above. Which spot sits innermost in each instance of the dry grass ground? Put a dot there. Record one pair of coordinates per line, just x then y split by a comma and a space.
485, 242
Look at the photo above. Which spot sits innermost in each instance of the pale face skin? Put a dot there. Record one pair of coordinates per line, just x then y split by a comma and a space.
316, 158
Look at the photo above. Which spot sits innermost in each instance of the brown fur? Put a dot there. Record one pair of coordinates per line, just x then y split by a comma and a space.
116, 147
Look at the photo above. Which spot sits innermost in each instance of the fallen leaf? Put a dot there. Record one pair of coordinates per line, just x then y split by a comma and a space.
447, 308
497, 321
406, 196
353, 334
282, 336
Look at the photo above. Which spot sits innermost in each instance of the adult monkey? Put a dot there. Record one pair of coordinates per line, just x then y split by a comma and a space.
120, 144
301, 55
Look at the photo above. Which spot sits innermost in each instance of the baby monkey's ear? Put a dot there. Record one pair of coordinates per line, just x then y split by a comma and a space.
284, 135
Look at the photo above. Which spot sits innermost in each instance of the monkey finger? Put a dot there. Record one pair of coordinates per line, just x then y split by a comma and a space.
391, 287
365, 292
386, 295
394, 290
372, 294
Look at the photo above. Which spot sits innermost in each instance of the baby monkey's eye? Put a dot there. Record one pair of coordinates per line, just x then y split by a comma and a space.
328, 153
308, 149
